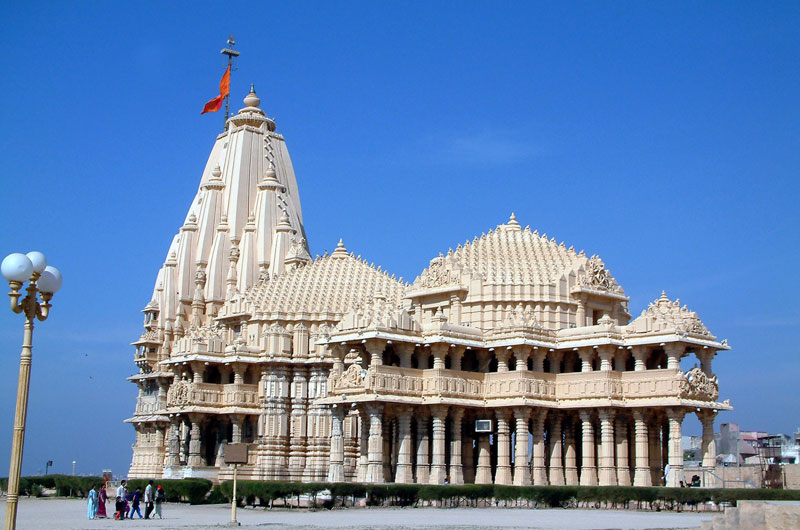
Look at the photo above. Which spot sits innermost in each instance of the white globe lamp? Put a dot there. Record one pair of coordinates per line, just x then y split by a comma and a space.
17, 267
50, 280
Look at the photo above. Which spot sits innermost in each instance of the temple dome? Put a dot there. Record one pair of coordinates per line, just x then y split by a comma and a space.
534, 266
332, 284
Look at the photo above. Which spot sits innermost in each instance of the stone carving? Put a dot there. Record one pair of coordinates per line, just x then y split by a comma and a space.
696, 384
178, 394
597, 276
664, 314
351, 378
436, 275
517, 318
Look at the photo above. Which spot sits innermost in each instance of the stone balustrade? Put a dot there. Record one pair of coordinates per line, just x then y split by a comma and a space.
213, 395
631, 386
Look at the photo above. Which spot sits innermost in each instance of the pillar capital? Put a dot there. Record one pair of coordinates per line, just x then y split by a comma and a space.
438, 411
606, 354
585, 415
586, 354
674, 351
502, 354
640, 354
375, 349
522, 413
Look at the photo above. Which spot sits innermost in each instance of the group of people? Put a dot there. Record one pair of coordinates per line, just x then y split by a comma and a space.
127, 504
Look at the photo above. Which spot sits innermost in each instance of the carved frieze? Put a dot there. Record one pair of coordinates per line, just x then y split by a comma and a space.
696, 384
178, 394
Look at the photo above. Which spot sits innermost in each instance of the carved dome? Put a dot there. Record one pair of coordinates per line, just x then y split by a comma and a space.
331, 284
512, 255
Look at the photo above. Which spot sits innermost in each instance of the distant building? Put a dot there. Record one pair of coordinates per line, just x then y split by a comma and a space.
736, 446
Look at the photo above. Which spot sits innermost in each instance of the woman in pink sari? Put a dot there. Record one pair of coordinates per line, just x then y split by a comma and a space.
101, 503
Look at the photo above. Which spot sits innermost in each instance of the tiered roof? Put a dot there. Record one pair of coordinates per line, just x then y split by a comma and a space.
333, 283
511, 255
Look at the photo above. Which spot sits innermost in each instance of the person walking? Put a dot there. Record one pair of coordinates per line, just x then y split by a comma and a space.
148, 500
122, 495
135, 501
161, 497
102, 498
92, 503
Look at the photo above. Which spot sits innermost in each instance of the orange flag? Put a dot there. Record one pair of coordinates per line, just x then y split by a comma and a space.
224, 89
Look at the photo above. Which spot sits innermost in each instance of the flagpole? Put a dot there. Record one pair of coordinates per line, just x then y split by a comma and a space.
231, 53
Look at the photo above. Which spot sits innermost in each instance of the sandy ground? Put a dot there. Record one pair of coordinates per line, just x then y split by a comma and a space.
66, 514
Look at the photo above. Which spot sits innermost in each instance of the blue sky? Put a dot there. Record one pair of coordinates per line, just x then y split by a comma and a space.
662, 137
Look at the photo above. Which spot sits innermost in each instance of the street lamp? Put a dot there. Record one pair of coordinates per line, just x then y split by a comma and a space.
44, 280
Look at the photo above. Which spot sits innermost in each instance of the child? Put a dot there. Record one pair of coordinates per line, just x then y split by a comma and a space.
119, 509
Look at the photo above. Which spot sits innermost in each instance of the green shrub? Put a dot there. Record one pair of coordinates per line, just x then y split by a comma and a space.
191, 490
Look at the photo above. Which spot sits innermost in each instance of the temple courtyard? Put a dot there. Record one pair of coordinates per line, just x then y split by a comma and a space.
69, 514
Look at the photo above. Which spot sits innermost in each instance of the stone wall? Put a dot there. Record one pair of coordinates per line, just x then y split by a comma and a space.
748, 476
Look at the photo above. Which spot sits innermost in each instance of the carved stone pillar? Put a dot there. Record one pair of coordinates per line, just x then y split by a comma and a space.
654, 449
503, 471
404, 351
580, 311
438, 461
556, 467
237, 425
522, 476
174, 448
539, 470
195, 446
555, 361
675, 447
705, 356
606, 354
483, 473
375, 454
375, 349
456, 468
586, 355
502, 355
640, 354
338, 351
521, 354
607, 472
405, 469
456, 356
588, 468
538, 356
709, 446
363, 454
423, 469
570, 454
468, 456
620, 359
336, 467
439, 352
423, 358
623, 465
674, 351
238, 374
484, 358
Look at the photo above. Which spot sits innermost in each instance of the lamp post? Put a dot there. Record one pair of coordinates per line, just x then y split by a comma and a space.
43, 280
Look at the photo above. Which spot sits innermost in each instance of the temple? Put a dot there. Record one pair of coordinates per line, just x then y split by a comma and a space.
511, 359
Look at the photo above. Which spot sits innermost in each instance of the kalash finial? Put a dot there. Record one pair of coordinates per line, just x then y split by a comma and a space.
251, 99
512, 223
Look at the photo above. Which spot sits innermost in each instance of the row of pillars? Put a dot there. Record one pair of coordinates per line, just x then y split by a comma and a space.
589, 447
584, 359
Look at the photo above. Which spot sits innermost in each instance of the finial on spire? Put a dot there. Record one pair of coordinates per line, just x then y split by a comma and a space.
251, 99
340, 251
512, 223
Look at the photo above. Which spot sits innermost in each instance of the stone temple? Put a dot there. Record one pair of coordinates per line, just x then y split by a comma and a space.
511, 359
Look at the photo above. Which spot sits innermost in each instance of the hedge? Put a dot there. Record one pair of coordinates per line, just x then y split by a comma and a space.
65, 485
196, 491
346, 493
192, 490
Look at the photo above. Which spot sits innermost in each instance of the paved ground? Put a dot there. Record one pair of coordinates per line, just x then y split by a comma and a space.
65, 514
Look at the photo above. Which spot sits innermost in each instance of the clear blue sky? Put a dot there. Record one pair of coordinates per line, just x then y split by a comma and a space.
662, 137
